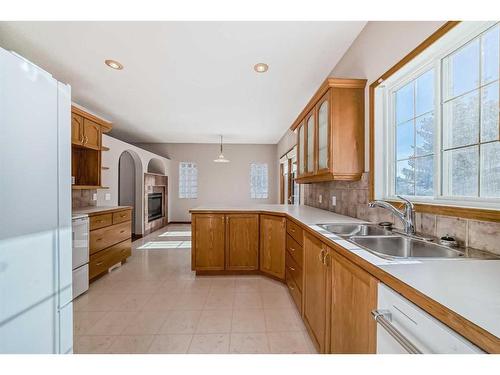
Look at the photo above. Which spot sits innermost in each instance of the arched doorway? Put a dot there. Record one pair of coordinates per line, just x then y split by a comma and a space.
156, 166
130, 187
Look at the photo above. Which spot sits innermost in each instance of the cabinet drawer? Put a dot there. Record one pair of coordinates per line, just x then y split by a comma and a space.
294, 291
295, 250
295, 231
101, 261
100, 221
122, 216
106, 237
294, 270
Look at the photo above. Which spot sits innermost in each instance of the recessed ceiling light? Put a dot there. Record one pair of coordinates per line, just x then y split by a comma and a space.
114, 64
261, 67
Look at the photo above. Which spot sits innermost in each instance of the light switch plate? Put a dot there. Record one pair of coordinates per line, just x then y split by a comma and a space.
94, 196
320, 198
334, 200
107, 196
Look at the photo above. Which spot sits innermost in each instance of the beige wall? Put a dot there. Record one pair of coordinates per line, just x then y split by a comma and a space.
218, 183
109, 178
286, 142
377, 48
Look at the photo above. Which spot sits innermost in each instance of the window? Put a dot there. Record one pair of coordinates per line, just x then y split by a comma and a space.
441, 121
258, 181
188, 180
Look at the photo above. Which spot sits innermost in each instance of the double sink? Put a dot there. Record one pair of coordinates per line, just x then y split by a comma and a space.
392, 245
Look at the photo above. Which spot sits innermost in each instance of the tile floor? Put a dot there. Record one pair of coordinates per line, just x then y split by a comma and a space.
155, 304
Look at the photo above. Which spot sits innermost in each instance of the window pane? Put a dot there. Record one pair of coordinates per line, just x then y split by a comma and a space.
404, 103
490, 59
405, 140
405, 178
460, 171
489, 113
424, 93
464, 69
424, 135
258, 181
490, 170
424, 176
461, 121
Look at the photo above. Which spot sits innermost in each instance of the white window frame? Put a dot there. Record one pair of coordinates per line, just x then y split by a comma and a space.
191, 191
257, 166
385, 130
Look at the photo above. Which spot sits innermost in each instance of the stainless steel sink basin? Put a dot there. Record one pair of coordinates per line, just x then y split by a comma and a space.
348, 230
405, 247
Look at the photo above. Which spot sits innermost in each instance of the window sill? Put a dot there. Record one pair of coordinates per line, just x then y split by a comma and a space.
483, 214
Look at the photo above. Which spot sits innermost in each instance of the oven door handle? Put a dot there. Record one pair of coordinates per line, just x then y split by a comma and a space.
384, 318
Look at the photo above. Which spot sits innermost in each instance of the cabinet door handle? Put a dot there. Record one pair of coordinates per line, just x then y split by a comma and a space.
123, 215
122, 231
98, 264
291, 268
98, 221
99, 239
291, 287
292, 249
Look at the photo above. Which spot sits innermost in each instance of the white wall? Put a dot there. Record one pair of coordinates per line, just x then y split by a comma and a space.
377, 48
110, 176
218, 183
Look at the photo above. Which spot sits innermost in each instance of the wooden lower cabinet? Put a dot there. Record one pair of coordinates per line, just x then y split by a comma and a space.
208, 242
315, 307
272, 245
110, 240
354, 296
242, 242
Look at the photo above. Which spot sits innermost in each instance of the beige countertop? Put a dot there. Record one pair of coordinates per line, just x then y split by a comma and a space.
468, 287
97, 209
305, 214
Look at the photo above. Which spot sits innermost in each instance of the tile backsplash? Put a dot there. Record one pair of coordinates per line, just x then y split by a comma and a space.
82, 198
352, 200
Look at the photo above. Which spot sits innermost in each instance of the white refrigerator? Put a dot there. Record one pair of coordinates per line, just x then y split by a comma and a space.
35, 209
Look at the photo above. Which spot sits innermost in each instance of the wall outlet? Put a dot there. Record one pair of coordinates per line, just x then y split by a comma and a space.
107, 196
94, 196
320, 198
334, 200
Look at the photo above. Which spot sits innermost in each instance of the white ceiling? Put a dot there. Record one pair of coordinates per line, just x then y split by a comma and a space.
187, 81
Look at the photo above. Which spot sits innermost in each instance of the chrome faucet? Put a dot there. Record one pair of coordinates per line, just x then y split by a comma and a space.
407, 215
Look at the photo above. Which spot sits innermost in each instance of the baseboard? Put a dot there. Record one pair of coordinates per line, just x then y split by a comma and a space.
135, 237
179, 222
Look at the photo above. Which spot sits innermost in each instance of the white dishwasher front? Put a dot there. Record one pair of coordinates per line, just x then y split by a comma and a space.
404, 328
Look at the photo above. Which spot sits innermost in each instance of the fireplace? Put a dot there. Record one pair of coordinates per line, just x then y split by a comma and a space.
155, 204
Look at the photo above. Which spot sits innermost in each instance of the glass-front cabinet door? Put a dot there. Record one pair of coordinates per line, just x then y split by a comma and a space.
310, 143
302, 142
323, 115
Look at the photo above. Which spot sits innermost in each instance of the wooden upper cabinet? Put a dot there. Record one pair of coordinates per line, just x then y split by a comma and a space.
354, 296
331, 128
92, 134
208, 238
272, 245
315, 305
242, 242
77, 129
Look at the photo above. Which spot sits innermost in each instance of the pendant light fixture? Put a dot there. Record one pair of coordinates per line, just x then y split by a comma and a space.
221, 158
